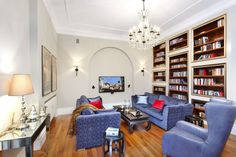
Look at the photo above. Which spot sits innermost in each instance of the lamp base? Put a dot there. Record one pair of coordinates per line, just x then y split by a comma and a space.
22, 126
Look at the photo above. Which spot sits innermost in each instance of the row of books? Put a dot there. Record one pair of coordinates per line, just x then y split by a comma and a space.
162, 46
179, 81
209, 92
159, 74
205, 81
200, 41
178, 66
213, 72
177, 40
176, 60
212, 46
207, 56
161, 89
220, 23
178, 88
160, 65
159, 59
160, 54
159, 80
179, 96
180, 74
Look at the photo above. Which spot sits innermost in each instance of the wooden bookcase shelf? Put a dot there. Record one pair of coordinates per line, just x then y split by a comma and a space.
199, 108
159, 55
178, 42
159, 90
178, 76
209, 40
159, 76
209, 80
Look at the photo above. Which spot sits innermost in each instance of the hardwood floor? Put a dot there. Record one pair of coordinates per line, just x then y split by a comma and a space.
139, 144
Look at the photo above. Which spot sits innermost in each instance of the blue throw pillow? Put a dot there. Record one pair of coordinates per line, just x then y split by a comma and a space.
94, 99
142, 99
87, 112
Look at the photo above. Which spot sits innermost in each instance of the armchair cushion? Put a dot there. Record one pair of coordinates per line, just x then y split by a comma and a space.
96, 103
105, 111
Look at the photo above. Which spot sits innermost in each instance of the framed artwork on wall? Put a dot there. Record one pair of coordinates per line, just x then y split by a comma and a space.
46, 71
54, 73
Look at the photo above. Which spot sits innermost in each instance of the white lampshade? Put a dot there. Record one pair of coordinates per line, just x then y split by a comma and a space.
21, 84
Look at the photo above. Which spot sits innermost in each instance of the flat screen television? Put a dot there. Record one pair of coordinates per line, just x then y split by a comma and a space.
111, 84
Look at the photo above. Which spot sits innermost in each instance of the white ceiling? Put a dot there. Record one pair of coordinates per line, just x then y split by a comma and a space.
113, 18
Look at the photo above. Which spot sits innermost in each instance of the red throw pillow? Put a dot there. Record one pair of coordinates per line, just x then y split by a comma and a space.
97, 104
158, 104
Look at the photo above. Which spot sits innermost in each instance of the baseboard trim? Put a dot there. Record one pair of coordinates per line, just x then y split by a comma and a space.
234, 129
64, 110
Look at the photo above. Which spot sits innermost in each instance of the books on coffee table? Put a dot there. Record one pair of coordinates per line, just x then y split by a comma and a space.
112, 131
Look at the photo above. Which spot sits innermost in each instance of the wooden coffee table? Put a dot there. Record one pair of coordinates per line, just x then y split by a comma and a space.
132, 119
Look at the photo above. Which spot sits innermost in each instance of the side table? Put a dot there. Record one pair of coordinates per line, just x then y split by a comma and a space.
108, 140
195, 120
23, 138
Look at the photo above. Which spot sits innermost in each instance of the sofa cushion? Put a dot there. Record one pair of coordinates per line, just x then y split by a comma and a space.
94, 99
169, 100
158, 104
154, 113
141, 107
87, 112
142, 99
83, 100
97, 104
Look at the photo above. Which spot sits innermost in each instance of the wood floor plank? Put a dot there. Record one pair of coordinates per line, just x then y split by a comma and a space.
140, 143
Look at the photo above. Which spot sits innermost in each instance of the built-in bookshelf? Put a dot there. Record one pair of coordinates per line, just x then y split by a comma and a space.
159, 90
178, 76
159, 76
178, 42
209, 40
159, 55
199, 108
209, 80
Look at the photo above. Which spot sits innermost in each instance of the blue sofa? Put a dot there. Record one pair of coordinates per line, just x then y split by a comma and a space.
173, 111
90, 126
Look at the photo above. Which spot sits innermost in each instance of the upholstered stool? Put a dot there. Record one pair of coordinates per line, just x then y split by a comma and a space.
195, 120
118, 140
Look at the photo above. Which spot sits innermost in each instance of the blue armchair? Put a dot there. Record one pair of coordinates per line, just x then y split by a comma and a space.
90, 128
186, 139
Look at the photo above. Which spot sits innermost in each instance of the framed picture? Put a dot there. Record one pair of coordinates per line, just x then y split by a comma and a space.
46, 71
111, 84
54, 73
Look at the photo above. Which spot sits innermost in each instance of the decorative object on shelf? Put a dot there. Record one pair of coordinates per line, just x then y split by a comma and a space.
42, 112
76, 70
142, 71
178, 42
33, 115
21, 85
144, 35
46, 72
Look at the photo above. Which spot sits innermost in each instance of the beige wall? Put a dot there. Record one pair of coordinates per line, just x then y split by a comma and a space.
24, 26
97, 54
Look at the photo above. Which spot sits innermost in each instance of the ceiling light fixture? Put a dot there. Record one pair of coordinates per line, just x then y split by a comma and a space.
144, 35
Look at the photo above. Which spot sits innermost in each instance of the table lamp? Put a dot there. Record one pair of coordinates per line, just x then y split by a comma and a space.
21, 85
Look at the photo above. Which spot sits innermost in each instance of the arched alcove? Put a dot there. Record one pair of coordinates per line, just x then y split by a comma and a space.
111, 61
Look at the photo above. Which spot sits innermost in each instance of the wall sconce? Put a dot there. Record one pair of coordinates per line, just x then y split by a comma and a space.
142, 71
76, 70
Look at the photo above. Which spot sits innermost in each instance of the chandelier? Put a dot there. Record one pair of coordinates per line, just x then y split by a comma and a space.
144, 35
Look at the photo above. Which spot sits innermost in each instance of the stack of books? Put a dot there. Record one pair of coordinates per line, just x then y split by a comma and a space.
112, 131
